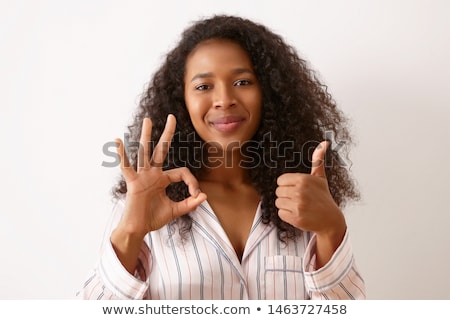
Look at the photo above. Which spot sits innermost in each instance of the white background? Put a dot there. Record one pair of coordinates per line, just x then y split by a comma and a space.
71, 73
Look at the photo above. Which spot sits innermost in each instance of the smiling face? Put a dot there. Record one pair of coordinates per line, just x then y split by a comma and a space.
222, 93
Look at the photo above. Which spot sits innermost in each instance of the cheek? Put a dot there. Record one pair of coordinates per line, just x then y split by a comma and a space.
256, 105
190, 104
195, 110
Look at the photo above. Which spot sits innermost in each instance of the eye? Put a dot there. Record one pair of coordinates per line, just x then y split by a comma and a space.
242, 83
202, 87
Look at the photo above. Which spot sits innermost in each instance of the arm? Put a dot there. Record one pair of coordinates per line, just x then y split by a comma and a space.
304, 201
109, 279
338, 279
147, 207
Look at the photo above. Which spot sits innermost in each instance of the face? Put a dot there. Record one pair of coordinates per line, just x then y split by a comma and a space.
222, 93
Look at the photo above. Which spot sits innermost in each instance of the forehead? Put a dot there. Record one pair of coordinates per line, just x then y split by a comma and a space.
217, 53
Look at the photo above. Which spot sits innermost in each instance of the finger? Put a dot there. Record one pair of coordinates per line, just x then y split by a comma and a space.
183, 174
288, 179
284, 204
162, 148
318, 160
284, 214
285, 192
127, 171
144, 144
187, 205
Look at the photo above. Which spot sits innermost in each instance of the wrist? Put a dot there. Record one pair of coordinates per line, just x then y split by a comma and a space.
334, 234
127, 236
335, 229
127, 247
328, 240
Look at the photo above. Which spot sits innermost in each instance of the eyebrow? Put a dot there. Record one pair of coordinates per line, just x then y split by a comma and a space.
210, 74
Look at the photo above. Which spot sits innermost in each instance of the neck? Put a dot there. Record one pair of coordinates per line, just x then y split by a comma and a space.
225, 169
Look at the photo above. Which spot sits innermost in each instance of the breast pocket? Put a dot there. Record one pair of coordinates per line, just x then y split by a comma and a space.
283, 278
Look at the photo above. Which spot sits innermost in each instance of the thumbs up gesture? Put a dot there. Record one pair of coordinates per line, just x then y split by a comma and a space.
305, 202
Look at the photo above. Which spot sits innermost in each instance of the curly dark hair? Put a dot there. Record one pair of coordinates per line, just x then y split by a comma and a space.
296, 108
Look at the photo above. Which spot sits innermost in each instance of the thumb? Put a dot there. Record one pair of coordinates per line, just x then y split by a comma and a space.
318, 160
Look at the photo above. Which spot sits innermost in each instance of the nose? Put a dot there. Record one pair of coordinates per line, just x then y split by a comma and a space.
224, 97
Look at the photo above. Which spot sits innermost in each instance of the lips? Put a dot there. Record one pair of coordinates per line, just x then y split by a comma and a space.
227, 123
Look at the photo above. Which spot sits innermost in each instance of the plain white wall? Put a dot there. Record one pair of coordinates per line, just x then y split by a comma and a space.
71, 73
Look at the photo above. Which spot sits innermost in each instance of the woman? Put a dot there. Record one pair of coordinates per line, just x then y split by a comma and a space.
233, 192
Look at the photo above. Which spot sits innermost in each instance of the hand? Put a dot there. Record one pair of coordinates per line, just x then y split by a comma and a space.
147, 206
304, 200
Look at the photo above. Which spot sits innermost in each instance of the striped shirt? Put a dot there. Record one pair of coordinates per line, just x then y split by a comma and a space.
204, 265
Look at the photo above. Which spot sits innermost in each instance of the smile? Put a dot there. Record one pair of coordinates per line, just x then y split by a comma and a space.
227, 124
